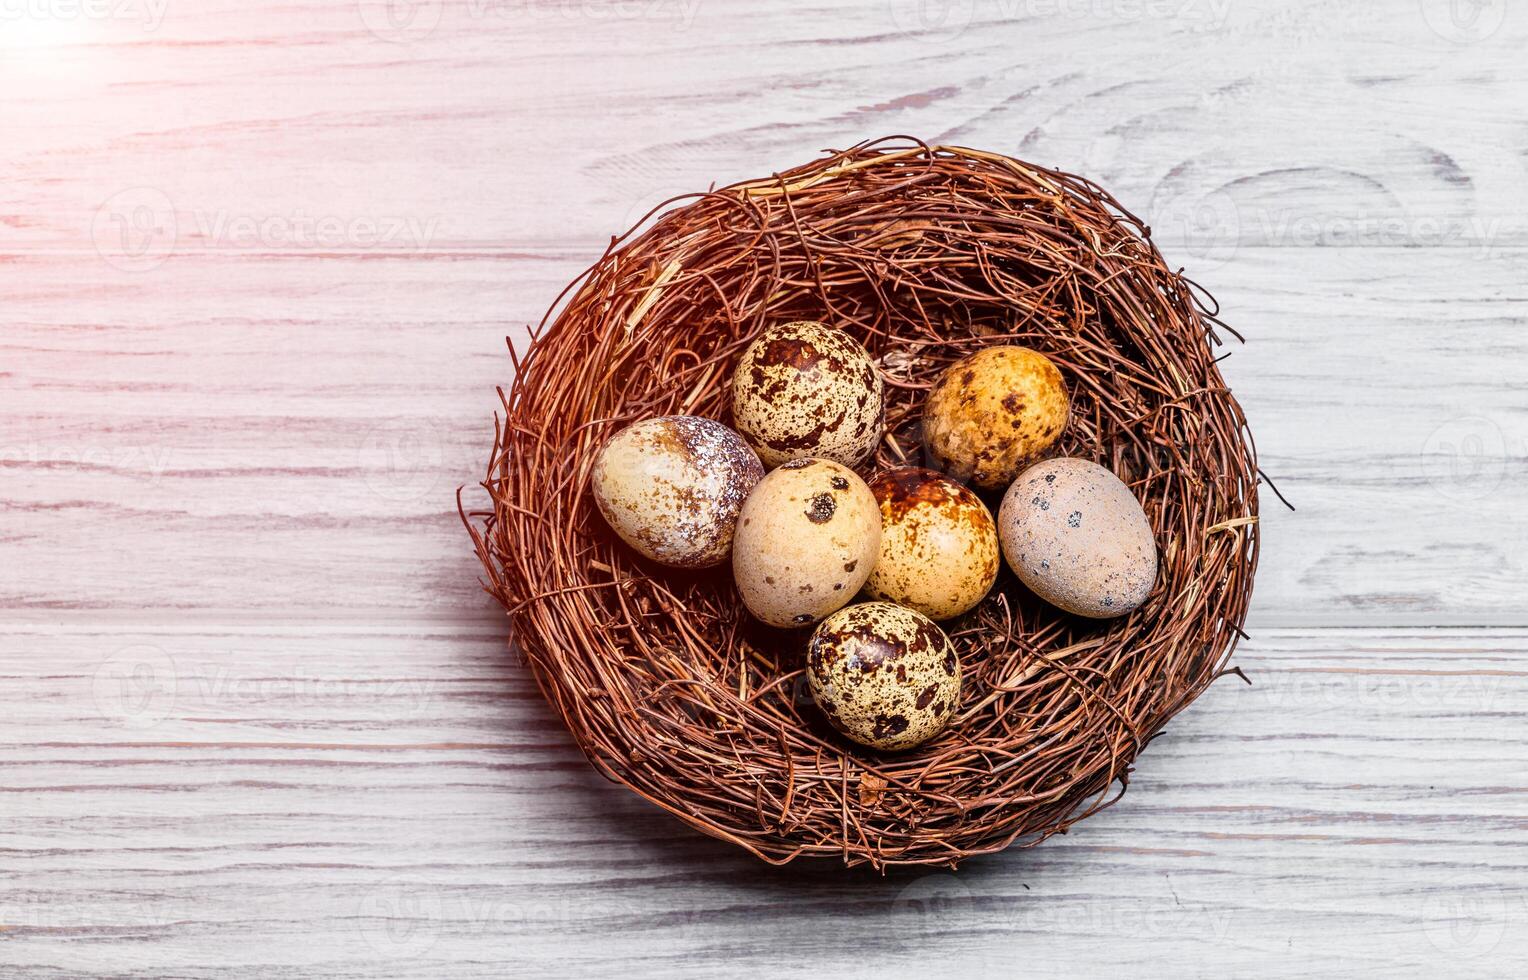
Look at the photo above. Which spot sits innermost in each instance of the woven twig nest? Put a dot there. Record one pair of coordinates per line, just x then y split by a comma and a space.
923, 254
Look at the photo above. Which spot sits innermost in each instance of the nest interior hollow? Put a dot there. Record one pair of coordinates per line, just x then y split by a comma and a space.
924, 254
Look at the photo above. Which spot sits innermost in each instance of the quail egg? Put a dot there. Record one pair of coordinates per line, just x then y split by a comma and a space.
672, 487
807, 538
1076, 535
991, 412
939, 549
805, 389
884, 675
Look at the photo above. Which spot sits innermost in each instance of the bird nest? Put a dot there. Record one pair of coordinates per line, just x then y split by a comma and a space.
924, 254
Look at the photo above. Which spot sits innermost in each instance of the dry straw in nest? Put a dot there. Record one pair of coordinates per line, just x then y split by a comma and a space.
923, 253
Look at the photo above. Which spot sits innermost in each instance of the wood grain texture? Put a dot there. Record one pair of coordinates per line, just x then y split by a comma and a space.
257, 265
537, 121
329, 802
220, 434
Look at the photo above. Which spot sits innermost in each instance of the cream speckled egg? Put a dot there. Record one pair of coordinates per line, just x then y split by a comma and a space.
884, 675
806, 541
672, 487
1078, 538
991, 411
804, 389
939, 550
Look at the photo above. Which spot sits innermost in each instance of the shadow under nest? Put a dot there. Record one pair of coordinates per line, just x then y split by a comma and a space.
923, 254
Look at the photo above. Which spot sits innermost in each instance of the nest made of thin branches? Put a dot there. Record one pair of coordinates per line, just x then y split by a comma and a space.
923, 253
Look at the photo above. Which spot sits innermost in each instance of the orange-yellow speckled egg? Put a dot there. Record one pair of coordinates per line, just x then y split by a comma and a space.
939, 548
991, 412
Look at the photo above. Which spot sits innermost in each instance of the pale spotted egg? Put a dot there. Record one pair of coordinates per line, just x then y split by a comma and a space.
806, 541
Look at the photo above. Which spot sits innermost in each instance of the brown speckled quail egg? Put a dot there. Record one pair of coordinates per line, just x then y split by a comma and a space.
806, 541
884, 675
1078, 538
939, 549
805, 389
672, 487
991, 412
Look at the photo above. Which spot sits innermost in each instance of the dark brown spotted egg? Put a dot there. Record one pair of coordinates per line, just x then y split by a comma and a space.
806, 541
805, 389
884, 675
672, 488
1076, 535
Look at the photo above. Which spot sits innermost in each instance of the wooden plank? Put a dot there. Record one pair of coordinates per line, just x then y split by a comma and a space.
278, 435
400, 803
487, 121
257, 262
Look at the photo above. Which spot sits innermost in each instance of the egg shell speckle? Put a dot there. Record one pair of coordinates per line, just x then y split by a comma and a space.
673, 487
939, 548
1078, 538
804, 389
807, 539
884, 675
991, 411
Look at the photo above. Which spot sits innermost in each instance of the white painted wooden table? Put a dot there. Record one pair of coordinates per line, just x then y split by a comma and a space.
257, 263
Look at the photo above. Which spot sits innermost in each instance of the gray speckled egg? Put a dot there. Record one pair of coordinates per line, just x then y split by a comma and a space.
884, 675
806, 541
1078, 538
805, 389
672, 487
